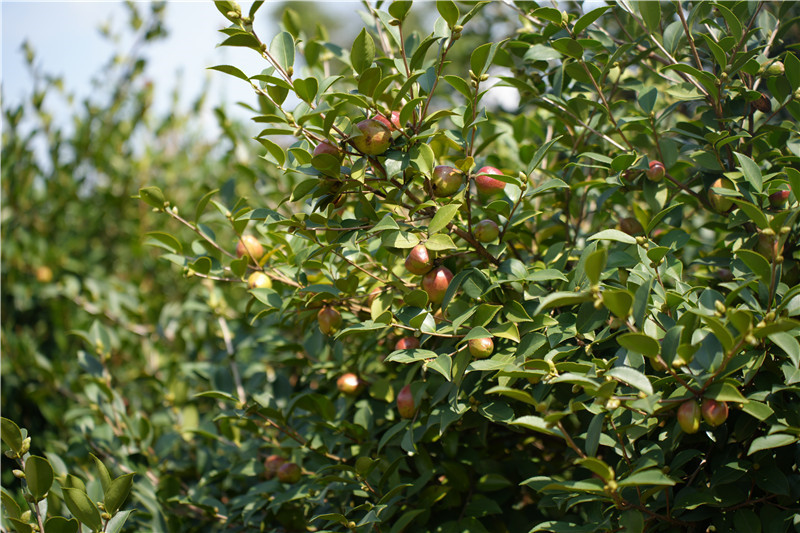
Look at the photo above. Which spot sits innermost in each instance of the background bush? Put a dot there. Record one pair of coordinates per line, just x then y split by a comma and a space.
612, 296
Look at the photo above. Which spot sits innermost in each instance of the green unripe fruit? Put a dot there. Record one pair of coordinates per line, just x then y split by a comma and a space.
249, 246
329, 320
721, 204
486, 231
259, 280
289, 473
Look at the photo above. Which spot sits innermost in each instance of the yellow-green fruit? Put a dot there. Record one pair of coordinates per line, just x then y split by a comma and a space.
259, 280
721, 204
249, 246
375, 137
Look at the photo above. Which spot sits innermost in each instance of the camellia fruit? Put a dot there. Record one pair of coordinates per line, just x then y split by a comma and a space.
405, 403
656, 172
631, 226
349, 384
394, 124
289, 473
689, 416
327, 148
259, 280
375, 137
767, 246
486, 230
272, 464
329, 320
249, 245
778, 199
435, 283
481, 348
721, 204
446, 181
407, 343
487, 185
714, 413
419, 261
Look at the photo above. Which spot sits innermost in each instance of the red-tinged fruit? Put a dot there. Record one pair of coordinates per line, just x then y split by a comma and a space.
375, 137
327, 148
407, 343
481, 348
631, 226
259, 280
486, 230
689, 416
419, 260
714, 413
435, 283
778, 199
249, 246
656, 172
721, 204
405, 403
329, 320
272, 464
349, 384
394, 124
446, 181
487, 185
289, 473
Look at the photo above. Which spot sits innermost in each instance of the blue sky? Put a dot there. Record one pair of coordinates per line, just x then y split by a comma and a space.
67, 42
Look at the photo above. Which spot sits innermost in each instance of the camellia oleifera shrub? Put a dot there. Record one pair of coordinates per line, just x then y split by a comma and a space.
572, 312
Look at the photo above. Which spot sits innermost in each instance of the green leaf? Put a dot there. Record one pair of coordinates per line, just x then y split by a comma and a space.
593, 433
443, 217
757, 263
449, 11
20, 526
399, 9
362, 54
755, 214
282, 49
594, 265
758, 410
618, 301
506, 331
788, 343
640, 343
9, 504
306, 88
613, 235
82, 508
440, 242
482, 57
597, 466
443, 365
59, 524
39, 475
105, 477
750, 171
115, 525
536, 423
651, 14
587, 19
724, 392
767, 442
165, 241
651, 476
632, 377
153, 197
514, 394
233, 71
117, 492
792, 69
11, 434
569, 47
563, 298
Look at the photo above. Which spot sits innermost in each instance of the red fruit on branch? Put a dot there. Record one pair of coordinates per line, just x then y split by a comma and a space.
481, 348
405, 403
689, 416
375, 137
419, 261
487, 185
446, 181
329, 320
407, 343
435, 283
656, 172
714, 413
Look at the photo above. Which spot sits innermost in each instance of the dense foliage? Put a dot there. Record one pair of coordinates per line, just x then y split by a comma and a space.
430, 308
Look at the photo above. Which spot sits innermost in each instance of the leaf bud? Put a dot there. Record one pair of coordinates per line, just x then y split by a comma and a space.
796, 94
105, 516
720, 307
233, 15
26, 516
263, 47
290, 71
641, 240
751, 340
472, 76
395, 22
458, 28
18, 473
769, 231
785, 229
484, 77
26, 445
779, 259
